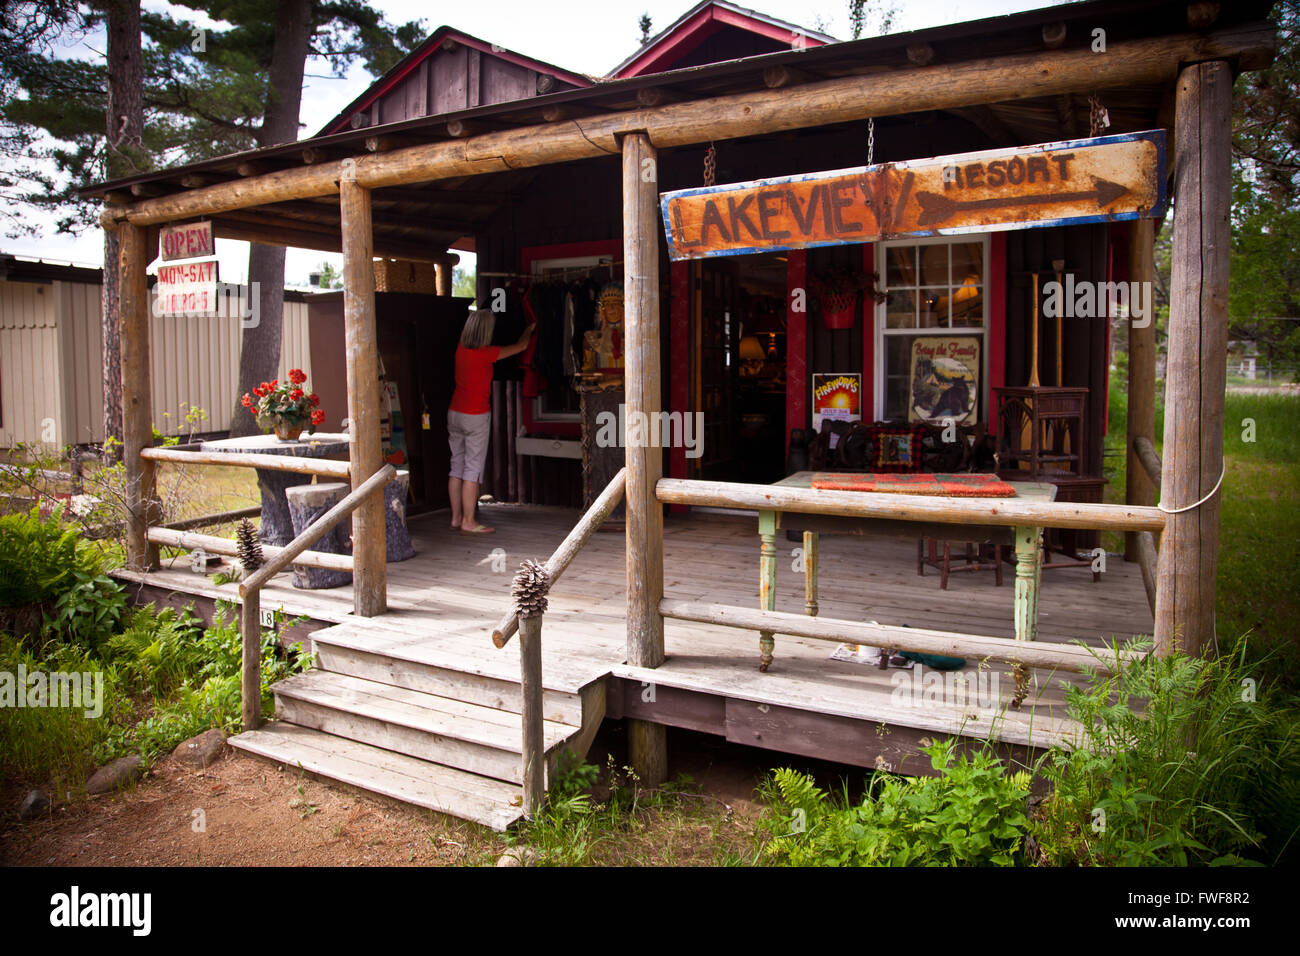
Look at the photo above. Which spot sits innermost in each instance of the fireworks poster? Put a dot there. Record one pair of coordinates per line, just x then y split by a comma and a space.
945, 379
837, 396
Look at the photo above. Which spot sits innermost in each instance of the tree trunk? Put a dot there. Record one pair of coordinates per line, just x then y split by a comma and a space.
124, 124
259, 356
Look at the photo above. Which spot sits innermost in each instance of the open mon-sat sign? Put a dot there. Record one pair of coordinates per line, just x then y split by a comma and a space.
188, 287
1102, 179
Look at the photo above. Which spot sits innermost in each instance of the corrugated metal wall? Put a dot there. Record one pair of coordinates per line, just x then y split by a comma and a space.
50, 344
30, 403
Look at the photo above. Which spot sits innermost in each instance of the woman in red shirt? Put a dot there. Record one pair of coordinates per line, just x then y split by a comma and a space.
469, 418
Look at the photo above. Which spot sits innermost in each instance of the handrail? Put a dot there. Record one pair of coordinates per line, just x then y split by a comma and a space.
595, 516
1066, 657
325, 467
1146, 454
214, 544
250, 590
1002, 512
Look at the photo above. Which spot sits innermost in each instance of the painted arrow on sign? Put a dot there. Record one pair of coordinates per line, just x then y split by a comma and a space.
936, 208
1103, 179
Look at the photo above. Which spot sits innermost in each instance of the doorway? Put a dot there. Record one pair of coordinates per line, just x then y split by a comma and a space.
738, 338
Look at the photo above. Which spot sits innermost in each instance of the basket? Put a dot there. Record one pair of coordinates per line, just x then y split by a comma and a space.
404, 275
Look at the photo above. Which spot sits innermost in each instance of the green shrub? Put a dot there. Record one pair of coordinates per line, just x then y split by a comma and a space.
53, 585
971, 814
1184, 761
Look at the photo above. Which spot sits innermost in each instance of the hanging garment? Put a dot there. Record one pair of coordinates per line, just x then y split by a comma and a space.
534, 381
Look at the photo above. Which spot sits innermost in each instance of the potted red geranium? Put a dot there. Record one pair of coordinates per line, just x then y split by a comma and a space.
285, 408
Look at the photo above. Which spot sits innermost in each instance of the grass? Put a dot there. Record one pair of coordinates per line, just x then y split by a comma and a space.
1258, 587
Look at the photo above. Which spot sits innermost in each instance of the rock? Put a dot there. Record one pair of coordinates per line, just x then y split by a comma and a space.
120, 773
518, 856
201, 751
36, 804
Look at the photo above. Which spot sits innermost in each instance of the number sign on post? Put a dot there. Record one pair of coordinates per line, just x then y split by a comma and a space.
1102, 179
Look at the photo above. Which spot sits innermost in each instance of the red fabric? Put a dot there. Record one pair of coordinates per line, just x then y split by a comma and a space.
473, 395
534, 381
955, 486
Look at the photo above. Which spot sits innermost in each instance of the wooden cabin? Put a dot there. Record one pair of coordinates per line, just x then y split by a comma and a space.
558, 183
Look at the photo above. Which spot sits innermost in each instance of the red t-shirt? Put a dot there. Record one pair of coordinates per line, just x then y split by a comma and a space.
473, 395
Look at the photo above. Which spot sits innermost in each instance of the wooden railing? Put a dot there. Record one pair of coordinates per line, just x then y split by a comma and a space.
530, 642
1000, 512
250, 629
324, 467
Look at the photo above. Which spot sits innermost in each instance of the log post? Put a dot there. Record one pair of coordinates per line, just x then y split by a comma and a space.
445, 272
250, 667
1196, 373
647, 742
369, 549
137, 402
1141, 376
534, 742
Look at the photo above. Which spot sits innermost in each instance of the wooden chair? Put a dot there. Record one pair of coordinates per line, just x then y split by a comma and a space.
977, 558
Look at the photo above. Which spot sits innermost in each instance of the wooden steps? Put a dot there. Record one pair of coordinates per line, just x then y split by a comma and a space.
468, 796
421, 720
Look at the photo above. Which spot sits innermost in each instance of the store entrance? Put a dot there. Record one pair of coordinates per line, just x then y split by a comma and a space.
739, 366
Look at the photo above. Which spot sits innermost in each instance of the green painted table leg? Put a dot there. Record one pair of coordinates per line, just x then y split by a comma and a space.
811, 540
766, 582
1029, 574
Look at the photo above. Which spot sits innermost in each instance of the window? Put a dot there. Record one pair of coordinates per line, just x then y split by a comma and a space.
933, 287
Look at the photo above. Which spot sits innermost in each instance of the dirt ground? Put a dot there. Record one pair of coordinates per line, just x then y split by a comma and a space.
245, 811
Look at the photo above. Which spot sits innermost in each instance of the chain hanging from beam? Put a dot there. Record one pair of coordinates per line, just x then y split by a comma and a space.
1098, 116
710, 165
871, 140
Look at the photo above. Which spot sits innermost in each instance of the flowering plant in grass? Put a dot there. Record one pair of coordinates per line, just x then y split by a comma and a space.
285, 408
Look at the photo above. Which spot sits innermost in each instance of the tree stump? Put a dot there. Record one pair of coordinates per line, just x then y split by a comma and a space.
306, 504
396, 535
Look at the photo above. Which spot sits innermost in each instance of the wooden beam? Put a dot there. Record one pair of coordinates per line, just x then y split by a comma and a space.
1138, 489
990, 512
545, 83
323, 467
1054, 35
445, 273
137, 407
645, 523
198, 180
369, 550
146, 190
1196, 369
1065, 657
461, 128
248, 229
940, 86
252, 168
215, 544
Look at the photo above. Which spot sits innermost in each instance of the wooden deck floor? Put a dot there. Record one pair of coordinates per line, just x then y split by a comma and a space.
449, 595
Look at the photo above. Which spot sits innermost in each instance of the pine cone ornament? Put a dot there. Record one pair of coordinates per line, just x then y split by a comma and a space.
530, 587
250, 549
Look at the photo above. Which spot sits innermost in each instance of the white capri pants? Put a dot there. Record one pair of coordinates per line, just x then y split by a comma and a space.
468, 436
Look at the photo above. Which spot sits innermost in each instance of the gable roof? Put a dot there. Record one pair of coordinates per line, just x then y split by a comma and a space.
664, 50
443, 37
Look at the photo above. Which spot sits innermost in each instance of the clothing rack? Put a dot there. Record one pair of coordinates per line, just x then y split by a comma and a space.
553, 273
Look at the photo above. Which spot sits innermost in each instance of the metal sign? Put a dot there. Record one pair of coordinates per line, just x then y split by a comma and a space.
192, 240
1103, 179
189, 288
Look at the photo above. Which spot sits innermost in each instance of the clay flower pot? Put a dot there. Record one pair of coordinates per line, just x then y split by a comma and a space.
288, 432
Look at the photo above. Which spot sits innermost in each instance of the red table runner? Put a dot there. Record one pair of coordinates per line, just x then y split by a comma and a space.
956, 486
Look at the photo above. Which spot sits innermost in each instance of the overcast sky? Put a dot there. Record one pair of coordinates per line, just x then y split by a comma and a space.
585, 37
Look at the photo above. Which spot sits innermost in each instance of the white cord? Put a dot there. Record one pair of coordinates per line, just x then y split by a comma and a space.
1213, 491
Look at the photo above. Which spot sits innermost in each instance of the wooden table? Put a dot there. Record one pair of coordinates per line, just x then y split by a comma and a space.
1027, 542
277, 526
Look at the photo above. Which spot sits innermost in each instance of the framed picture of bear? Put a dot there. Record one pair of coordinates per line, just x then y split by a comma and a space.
945, 379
